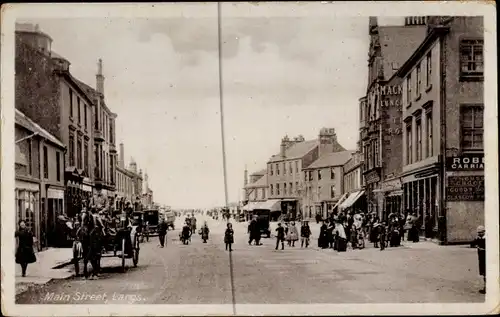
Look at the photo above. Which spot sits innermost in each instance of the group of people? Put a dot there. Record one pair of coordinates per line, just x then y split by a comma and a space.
290, 233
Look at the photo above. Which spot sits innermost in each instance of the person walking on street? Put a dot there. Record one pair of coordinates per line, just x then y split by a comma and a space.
341, 237
254, 231
162, 232
480, 244
25, 253
382, 235
293, 234
322, 239
280, 236
305, 233
229, 237
95, 250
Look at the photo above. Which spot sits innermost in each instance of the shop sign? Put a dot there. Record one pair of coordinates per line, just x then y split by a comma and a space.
465, 188
372, 177
466, 162
390, 90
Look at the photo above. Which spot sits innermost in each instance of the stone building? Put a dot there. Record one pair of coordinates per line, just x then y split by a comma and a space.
39, 184
380, 111
443, 153
48, 94
323, 182
284, 170
353, 185
255, 191
125, 182
137, 180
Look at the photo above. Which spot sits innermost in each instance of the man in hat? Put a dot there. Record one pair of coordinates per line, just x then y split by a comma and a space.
305, 233
480, 244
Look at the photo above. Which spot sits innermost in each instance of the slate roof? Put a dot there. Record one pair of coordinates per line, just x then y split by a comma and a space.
261, 182
298, 150
331, 159
397, 44
29, 124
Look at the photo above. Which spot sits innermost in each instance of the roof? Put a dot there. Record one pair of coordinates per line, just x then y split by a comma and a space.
29, 124
261, 182
296, 151
331, 159
397, 44
261, 172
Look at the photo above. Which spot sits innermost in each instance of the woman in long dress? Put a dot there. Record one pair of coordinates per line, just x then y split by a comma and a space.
293, 234
24, 254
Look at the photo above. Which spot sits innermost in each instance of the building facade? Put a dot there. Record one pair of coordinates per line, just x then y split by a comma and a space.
39, 170
137, 180
380, 112
323, 182
64, 108
353, 173
443, 177
255, 191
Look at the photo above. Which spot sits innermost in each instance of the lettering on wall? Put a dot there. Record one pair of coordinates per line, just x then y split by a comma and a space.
466, 162
465, 188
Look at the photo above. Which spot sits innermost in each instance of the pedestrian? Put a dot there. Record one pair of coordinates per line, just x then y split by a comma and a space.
340, 236
254, 231
229, 237
323, 239
305, 233
280, 236
330, 237
25, 253
162, 232
382, 235
293, 233
413, 234
480, 244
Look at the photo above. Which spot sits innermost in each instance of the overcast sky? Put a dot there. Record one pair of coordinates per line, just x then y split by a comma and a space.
281, 75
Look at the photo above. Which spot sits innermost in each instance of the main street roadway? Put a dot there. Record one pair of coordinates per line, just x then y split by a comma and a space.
200, 273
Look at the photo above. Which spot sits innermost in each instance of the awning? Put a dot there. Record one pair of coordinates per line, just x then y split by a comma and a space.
340, 200
353, 197
271, 205
289, 199
34, 187
250, 206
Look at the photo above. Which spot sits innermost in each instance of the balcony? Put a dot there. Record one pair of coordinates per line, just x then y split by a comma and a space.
98, 136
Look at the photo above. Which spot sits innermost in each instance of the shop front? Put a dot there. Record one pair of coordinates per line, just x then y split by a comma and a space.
73, 192
421, 197
393, 198
52, 208
289, 208
355, 202
28, 206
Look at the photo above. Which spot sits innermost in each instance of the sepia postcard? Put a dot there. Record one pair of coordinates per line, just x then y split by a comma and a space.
249, 158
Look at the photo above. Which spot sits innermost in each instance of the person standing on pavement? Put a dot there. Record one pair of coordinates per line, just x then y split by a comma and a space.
162, 232
229, 237
25, 253
280, 236
305, 233
340, 236
293, 233
480, 244
322, 239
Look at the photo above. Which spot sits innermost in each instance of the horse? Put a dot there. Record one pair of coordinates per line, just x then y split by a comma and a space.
90, 244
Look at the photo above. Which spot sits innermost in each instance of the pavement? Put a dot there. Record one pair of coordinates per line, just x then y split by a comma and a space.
201, 273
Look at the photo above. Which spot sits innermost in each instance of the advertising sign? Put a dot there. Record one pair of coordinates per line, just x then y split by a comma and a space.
465, 162
465, 188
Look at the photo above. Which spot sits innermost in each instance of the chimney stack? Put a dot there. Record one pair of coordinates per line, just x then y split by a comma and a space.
99, 78
122, 155
285, 143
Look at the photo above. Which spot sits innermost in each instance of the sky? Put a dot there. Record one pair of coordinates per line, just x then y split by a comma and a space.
280, 76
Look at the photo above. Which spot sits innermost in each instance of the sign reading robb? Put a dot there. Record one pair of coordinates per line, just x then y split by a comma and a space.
466, 162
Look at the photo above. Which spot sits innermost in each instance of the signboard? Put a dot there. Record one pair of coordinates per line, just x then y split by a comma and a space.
465, 162
372, 177
465, 188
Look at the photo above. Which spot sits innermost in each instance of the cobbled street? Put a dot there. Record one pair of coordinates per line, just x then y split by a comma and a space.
200, 273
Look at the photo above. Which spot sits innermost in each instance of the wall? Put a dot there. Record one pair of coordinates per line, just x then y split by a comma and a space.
52, 164
283, 177
37, 88
21, 132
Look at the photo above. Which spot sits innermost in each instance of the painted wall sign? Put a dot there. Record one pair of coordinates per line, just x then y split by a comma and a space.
390, 90
390, 103
465, 188
372, 177
466, 162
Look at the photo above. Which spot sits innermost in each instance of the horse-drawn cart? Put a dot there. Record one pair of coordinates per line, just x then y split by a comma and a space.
122, 242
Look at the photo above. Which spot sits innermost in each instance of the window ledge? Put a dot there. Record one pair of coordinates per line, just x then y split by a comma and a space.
428, 88
471, 77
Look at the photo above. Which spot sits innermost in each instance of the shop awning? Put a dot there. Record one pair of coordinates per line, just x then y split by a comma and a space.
250, 206
353, 197
340, 200
271, 205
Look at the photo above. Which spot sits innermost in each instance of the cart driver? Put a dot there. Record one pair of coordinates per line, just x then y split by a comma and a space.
99, 206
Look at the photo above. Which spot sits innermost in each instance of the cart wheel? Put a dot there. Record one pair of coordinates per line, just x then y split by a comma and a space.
123, 254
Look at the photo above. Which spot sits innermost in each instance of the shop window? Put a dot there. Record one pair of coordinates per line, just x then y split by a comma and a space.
471, 122
471, 59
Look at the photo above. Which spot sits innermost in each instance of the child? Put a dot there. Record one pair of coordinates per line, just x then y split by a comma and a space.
480, 244
305, 233
280, 237
229, 237
382, 235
